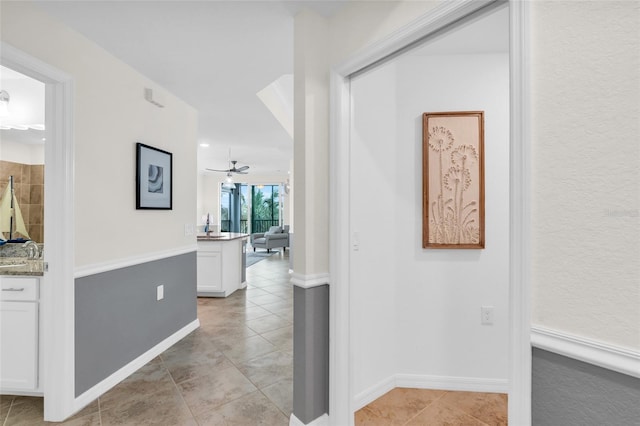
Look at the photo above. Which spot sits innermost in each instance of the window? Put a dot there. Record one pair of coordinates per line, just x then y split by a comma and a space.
265, 207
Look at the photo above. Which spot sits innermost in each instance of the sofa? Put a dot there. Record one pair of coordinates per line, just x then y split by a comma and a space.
275, 237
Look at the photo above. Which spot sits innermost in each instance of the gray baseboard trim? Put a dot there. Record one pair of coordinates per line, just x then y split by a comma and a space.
310, 352
118, 317
611, 357
566, 391
108, 383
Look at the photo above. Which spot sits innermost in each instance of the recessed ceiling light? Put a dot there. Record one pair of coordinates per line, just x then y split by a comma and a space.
204, 145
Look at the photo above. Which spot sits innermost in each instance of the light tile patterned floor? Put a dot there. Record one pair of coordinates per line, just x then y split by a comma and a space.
424, 407
236, 369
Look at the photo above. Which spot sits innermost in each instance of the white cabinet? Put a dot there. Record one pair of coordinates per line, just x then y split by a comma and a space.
19, 337
220, 266
209, 270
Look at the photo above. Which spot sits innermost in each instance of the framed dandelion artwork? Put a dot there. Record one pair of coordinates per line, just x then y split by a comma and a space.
453, 180
154, 178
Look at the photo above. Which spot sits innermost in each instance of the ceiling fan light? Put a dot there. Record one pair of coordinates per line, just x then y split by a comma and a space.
228, 182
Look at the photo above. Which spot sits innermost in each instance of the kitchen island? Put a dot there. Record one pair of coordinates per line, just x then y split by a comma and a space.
221, 263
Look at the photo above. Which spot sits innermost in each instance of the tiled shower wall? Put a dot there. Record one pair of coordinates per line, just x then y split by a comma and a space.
29, 187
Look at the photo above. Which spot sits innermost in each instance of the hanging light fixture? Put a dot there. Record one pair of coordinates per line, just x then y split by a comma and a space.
4, 103
228, 182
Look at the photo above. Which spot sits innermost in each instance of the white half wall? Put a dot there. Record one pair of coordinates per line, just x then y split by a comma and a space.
416, 311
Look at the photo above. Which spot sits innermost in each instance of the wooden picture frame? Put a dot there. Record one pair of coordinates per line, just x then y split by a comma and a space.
453, 180
154, 178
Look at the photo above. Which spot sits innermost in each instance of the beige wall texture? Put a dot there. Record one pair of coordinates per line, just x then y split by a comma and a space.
586, 168
311, 144
111, 115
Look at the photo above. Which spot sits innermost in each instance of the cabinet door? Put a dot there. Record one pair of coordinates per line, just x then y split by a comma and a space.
209, 271
18, 345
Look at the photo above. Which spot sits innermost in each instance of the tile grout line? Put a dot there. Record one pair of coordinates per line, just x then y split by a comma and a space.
178, 389
99, 412
426, 406
4, 422
272, 402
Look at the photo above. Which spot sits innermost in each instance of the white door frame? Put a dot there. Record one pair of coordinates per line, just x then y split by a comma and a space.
57, 285
341, 403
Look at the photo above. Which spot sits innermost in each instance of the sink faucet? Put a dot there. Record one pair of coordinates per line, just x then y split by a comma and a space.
33, 252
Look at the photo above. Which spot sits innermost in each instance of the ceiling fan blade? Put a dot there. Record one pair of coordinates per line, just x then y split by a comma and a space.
241, 173
242, 169
216, 170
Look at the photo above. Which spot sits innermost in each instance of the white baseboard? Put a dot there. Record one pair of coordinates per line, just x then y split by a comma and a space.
461, 384
369, 395
323, 420
105, 385
97, 268
601, 354
419, 381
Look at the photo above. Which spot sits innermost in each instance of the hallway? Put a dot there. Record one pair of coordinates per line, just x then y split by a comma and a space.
236, 369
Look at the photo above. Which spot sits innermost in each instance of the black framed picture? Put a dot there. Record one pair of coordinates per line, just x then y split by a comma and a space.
154, 178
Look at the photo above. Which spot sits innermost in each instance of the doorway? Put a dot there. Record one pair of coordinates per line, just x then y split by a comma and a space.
397, 163
56, 301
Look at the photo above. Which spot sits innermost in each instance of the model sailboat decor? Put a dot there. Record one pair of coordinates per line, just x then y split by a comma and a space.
11, 220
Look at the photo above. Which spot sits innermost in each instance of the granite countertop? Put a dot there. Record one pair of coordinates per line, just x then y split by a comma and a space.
221, 236
21, 266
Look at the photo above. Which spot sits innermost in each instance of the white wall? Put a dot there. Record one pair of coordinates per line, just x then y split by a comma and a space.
17, 152
586, 169
440, 292
111, 115
377, 220
417, 311
311, 144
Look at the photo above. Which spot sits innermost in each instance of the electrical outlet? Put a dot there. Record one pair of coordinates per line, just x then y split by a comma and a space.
188, 229
160, 292
486, 315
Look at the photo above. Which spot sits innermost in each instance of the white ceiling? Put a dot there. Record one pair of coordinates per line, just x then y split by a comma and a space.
215, 55
26, 107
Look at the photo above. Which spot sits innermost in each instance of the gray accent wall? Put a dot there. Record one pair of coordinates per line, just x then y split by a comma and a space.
310, 352
118, 317
570, 392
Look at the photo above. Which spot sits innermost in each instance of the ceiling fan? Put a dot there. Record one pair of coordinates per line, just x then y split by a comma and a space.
240, 170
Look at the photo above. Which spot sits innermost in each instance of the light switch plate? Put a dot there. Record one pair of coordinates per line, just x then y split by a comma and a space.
486, 315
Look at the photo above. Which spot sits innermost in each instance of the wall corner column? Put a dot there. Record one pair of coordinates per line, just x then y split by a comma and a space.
311, 217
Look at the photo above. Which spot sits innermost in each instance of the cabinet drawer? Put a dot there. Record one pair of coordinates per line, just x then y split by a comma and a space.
23, 289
